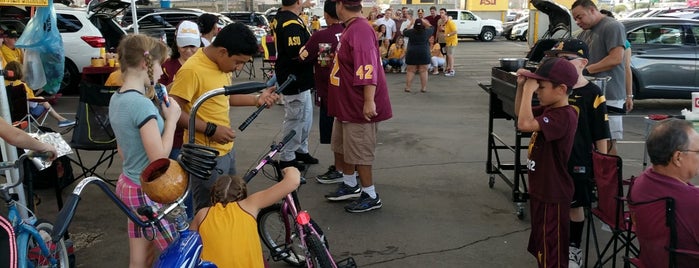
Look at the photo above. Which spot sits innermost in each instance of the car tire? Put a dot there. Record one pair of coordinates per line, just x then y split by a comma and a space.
71, 78
523, 37
487, 35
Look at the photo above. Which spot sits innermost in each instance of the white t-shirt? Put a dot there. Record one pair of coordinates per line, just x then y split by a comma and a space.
390, 26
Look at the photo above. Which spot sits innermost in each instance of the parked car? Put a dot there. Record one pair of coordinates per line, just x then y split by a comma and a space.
682, 15
507, 26
470, 25
83, 34
519, 32
255, 20
664, 49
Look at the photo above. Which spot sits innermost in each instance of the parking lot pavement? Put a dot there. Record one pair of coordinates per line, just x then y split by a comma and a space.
430, 173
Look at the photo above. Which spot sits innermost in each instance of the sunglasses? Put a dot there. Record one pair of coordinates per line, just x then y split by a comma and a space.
569, 58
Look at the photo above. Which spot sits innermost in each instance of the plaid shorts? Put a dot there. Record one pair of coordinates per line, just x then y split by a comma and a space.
133, 198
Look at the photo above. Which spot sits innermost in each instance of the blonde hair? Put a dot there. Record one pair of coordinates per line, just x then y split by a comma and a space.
134, 48
228, 189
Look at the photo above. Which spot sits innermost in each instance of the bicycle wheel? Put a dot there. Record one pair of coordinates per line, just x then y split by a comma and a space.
57, 250
274, 229
318, 252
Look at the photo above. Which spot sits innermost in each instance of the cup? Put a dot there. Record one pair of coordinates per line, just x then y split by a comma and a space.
695, 102
111, 62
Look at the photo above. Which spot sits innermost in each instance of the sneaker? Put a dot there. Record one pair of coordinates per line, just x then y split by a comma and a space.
66, 123
306, 158
363, 204
575, 257
330, 177
450, 73
344, 192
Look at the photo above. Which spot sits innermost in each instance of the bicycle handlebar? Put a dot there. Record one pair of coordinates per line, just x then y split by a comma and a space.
254, 115
273, 151
17, 164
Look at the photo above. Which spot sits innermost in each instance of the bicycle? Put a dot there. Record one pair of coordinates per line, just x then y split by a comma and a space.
35, 248
198, 161
289, 233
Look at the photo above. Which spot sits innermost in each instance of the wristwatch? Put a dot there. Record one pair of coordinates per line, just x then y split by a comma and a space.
629, 96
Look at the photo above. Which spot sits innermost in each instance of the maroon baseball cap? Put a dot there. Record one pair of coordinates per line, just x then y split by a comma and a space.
350, 2
556, 70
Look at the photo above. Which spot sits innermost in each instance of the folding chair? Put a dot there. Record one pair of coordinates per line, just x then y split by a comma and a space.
270, 57
609, 209
248, 68
92, 131
20, 111
654, 224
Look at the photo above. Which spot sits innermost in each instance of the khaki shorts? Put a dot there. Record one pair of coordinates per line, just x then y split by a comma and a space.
356, 142
450, 50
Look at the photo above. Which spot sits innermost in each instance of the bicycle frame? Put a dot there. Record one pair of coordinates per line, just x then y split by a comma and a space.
24, 227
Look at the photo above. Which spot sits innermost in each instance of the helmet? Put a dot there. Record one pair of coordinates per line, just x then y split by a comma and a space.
164, 181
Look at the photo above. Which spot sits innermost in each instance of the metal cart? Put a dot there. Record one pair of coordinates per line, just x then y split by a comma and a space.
501, 93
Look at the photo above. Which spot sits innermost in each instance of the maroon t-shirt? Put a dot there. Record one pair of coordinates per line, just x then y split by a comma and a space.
433, 21
170, 68
549, 150
356, 64
651, 186
331, 35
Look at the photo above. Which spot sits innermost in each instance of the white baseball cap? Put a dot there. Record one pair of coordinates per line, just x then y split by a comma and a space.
188, 34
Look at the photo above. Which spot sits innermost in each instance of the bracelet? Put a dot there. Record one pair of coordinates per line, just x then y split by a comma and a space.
257, 101
210, 129
629, 96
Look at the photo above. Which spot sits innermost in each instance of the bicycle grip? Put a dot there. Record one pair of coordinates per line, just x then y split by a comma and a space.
254, 115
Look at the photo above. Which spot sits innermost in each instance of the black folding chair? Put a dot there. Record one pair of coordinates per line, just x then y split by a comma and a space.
248, 68
92, 131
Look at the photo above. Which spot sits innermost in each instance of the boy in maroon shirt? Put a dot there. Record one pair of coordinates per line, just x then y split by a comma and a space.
358, 98
553, 124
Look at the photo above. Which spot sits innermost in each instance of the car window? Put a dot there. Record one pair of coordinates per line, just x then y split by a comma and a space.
657, 34
453, 15
174, 19
68, 23
467, 16
692, 35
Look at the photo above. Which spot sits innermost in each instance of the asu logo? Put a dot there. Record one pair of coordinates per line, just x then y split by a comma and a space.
559, 46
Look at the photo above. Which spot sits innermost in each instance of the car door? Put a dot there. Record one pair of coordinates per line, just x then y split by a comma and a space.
662, 53
468, 23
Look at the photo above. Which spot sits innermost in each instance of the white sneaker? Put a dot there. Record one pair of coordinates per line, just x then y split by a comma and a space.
575, 257
450, 73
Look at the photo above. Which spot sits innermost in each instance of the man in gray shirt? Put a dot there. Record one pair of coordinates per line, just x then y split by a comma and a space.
605, 37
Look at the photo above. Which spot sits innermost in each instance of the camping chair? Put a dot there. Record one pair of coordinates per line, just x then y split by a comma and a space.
609, 209
248, 68
270, 57
654, 224
21, 113
92, 131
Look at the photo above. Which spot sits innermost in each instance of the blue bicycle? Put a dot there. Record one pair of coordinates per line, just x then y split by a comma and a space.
35, 248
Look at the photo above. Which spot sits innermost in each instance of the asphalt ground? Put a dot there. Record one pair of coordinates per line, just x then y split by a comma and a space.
430, 164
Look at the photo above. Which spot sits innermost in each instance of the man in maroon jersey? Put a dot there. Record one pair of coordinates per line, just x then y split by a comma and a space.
358, 98
328, 39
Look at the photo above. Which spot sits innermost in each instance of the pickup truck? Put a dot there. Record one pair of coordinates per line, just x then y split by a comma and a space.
470, 25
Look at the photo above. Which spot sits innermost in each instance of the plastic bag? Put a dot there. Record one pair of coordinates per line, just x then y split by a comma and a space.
33, 69
41, 35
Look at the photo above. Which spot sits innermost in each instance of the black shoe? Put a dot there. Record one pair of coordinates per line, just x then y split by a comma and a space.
306, 158
292, 163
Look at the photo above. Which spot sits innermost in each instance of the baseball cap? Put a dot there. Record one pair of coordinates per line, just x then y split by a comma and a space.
12, 34
575, 46
188, 34
556, 70
350, 2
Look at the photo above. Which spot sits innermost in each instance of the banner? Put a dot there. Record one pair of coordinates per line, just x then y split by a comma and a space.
38, 3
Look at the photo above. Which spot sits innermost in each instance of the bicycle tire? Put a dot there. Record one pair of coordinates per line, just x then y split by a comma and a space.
272, 231
58, 250
318, 252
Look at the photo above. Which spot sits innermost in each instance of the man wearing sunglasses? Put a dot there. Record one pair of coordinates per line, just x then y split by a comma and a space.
593, 130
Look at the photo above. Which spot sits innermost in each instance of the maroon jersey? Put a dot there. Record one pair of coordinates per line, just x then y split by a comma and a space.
357, 64
170, 68
549, 150
328, 35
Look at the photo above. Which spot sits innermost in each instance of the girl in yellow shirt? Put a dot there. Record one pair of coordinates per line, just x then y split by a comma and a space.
228, 229
396, 54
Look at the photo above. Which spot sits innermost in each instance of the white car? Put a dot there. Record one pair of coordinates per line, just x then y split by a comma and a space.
519, 31
83, 34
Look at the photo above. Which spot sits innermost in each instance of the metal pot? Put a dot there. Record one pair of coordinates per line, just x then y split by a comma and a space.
513, 64
601, 82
